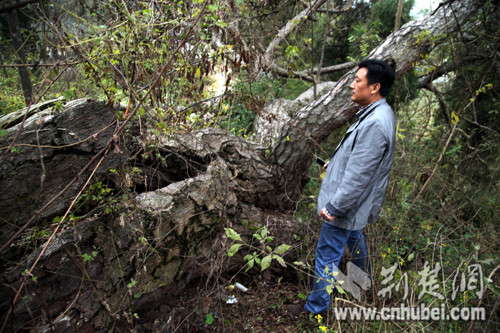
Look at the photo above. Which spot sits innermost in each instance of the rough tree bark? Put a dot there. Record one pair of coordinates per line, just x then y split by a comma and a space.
98, 273
52, 148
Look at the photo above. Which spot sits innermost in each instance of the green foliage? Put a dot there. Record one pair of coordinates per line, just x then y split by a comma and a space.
89, 257
247, 97
209, 319
363, 39
384, 12
364, 35
98, 194
128, 45
405, 89
38, 233
11, 96
131, 284
263, 254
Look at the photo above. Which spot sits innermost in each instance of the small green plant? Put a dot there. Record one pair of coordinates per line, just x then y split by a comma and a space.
263, 254
26, 273
37, 233
70, 217
131, 284
209, 319
98, 194
302, 297
89, 257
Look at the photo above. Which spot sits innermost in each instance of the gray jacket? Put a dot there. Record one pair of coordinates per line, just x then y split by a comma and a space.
356, 179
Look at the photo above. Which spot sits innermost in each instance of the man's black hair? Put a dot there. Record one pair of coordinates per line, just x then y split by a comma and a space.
379, 72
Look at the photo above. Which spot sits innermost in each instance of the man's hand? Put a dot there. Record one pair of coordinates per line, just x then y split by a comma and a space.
326, 165
324, 215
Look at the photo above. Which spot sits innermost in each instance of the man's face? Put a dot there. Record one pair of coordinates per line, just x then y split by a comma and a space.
361, 92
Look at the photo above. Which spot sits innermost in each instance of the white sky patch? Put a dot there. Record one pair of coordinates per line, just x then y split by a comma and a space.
424, 7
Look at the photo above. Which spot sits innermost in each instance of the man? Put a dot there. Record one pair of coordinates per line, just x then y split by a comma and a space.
356, 179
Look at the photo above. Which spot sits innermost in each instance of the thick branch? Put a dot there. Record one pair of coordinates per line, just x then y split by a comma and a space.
442, 103
444, 69
306, 74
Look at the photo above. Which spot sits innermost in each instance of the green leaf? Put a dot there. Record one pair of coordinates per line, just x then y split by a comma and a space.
281, 249
263, 233
257, 236
329, 289
280, 260
209, 319
232, 234
494, 289
233, 249
251, 262
291, 50
266, 262
340, 289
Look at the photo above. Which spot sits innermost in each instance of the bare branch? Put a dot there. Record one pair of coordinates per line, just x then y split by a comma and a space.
287, 29
306, 74
444, 107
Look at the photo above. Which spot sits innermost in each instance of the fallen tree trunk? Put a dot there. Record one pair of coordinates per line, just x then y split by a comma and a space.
52, 148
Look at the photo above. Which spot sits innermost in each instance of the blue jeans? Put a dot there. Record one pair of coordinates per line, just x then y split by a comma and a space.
331, 244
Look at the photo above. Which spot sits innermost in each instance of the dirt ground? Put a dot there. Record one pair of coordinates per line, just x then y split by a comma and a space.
261, 309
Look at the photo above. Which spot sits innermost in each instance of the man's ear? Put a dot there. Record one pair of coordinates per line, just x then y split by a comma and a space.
375, 88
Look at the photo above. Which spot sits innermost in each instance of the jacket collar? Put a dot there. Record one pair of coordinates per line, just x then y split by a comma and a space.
366, 110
